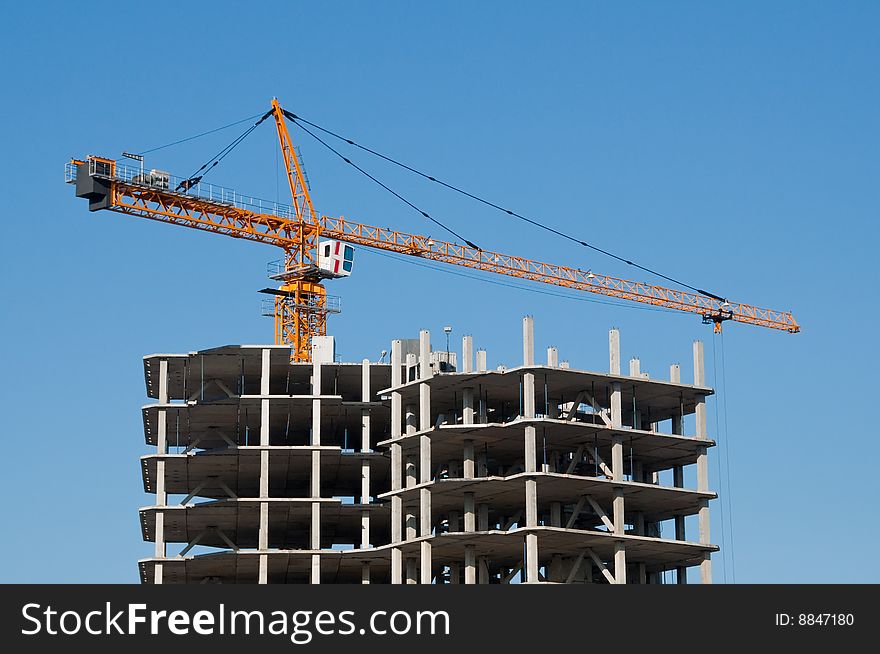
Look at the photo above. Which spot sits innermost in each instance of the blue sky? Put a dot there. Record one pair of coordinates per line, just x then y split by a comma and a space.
733, 146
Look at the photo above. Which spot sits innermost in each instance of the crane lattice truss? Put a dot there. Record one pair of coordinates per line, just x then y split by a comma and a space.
301, 305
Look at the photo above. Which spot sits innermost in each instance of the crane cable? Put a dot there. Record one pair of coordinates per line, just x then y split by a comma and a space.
195, 178
191, 138
387, 188
298, 120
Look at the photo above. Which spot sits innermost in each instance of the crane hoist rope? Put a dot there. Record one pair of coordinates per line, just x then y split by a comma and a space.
299, 119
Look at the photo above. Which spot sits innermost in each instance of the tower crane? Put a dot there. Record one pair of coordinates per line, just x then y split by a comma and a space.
318, 247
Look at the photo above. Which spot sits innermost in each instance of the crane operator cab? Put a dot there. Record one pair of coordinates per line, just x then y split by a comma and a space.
335, 259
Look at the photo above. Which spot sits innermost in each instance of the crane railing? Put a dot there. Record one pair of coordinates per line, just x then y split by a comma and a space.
222, 210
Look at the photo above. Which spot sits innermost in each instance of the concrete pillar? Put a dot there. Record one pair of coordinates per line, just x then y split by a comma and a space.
467, 354
483, 570
425, 473
556, 514
263, 534
531, 501
467, 415
641, 573
469, 462
425, 522
635, 371
678, 474
470, 560
617, 464
470, 564
528, 341
481, 361
702, 462
614, 351
469, 512
365, 461
315, 532
161, 449
530, 450
482, 464
635, 367
552, 357
483, 517
396, 463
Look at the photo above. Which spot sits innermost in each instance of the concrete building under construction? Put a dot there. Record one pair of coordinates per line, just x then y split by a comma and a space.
430, 468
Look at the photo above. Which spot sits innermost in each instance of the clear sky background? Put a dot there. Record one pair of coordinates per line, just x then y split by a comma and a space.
732, 146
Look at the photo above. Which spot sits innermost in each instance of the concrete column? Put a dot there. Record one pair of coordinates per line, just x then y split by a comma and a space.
315, 477
365, 461
411, 479
530, 450
467, 415
618, 509
616, 406
531, 501
470, 519
410, 419
483, 408
467, 354
635, 367
396, 463
469, 463
614, 351
702, 462
470, 564
425, 472
635, 371
483, 517
556, 514
263, 533
678, 474
481, 361
617, 465
483, 570
411, 363
552, 357
161, 449
528, 341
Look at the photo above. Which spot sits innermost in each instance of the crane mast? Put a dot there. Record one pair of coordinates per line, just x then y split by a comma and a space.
301, 303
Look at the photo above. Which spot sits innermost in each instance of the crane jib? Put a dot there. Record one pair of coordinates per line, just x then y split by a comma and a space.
301, 304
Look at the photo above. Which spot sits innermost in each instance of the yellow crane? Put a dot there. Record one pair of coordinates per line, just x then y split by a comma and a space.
314, 245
